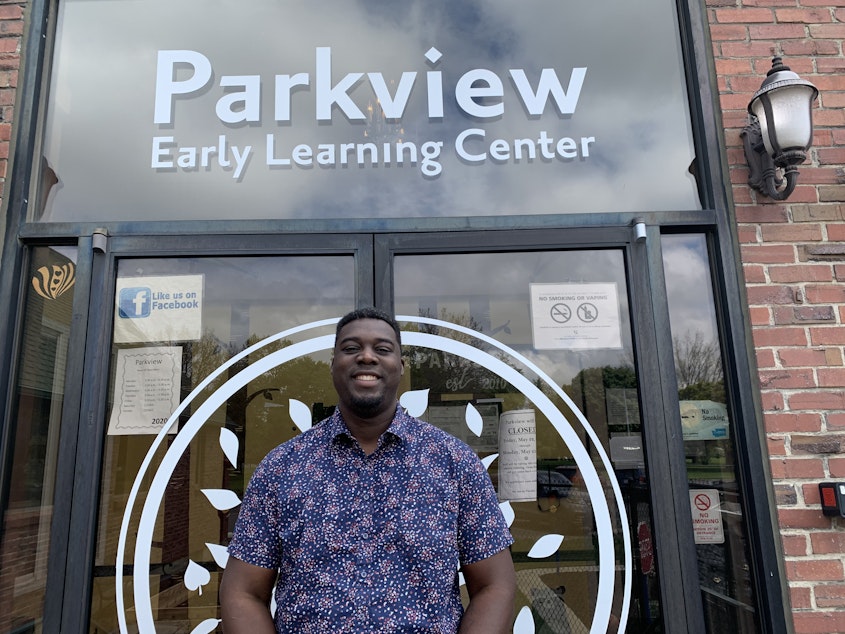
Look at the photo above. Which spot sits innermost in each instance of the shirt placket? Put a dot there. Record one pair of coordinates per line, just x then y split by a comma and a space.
364, 533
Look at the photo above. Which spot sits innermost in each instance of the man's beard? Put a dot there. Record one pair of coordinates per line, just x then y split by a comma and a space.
366, 406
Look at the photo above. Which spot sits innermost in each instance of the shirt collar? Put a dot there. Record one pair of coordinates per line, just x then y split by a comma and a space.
401, 426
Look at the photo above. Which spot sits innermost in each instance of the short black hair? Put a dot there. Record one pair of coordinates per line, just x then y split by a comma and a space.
369, 312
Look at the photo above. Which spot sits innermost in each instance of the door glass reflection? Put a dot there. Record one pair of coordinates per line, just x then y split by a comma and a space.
177, 321
715, 496
556, 326
38, 400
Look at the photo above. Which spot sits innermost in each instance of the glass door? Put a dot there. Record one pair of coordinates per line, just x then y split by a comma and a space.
554, 381
184, 426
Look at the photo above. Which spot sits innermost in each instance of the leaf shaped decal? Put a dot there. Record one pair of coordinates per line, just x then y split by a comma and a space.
415, 402
461, 580
524, 622
300, 413
488, 460
196, 576
507, 511
221, 499
474, 421
206, 627
546, 546
229, 444
220, 554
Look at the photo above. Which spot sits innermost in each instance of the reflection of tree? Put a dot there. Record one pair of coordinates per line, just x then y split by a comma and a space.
592, 389
698, 364
442, 372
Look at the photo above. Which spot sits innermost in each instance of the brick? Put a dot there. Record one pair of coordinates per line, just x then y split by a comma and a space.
785, 315
802, 519
801, 273
743, 16
827, 542
831, 444
768, 254
815, 570
801, 468
831, 377
835, 421
836, 466
767, 295
802, 357
830, 595
792, 233
772, 401
785, 422
806, 16
817, 622
800, 597
779, 336
793, 379
816, 400
779, 32
794, 545
825, 293
765, 358
834, 335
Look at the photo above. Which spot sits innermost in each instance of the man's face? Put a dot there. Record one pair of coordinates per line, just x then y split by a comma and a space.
367, 367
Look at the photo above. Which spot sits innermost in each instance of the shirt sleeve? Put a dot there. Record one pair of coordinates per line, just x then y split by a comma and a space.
482, 529
257, 538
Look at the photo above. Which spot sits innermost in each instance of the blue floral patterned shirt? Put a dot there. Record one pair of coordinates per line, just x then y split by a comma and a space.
369, 543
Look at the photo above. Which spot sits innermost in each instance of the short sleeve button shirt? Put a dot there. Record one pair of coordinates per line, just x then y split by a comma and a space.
369, 543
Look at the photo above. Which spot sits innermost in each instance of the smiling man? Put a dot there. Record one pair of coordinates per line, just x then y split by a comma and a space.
363, 522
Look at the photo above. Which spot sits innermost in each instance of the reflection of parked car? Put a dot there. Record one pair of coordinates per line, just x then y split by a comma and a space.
553, 484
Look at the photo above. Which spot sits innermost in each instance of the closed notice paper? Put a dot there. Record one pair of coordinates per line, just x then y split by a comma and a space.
517, 456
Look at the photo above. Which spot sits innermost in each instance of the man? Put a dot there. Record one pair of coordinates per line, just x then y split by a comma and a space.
366, 517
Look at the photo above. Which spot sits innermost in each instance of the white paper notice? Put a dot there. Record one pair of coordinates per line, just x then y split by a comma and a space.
517, 456
575, 316
147, 385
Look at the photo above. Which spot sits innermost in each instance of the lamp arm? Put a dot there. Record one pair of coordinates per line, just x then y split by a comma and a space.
762, 171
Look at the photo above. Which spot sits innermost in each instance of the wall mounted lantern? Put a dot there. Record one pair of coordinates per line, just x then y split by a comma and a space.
780, 131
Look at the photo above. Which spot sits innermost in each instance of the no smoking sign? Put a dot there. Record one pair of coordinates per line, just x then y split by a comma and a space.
706, 516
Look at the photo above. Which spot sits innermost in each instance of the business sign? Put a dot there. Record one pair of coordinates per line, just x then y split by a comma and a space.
364, 110
706, 516
575, 316
160, 308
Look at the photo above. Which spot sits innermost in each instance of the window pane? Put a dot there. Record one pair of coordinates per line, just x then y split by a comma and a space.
715, 497
35, 438
365, 109
165, 346
537, 466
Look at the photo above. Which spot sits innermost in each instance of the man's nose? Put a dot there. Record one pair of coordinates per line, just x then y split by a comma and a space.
367, 355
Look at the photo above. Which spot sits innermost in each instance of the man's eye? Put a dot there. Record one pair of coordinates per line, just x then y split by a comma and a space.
351, 349
384, 350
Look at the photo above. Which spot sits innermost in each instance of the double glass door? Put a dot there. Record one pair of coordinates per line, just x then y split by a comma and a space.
529, 353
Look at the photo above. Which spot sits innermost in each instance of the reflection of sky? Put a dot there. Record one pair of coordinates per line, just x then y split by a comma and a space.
493, 289
100, 122
688, 286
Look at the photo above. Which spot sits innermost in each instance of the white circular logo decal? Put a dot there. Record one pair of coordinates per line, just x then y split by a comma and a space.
196, 575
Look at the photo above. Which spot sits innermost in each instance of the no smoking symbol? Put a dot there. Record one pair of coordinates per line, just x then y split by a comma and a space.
702, 502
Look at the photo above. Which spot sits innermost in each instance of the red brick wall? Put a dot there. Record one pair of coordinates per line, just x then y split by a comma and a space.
793, 255
11, 28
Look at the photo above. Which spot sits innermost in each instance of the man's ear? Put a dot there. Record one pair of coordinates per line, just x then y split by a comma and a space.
402, 367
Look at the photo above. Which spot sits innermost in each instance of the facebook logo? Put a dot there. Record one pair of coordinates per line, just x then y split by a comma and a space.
134, 301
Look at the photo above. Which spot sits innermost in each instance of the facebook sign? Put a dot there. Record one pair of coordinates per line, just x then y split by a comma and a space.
134, 302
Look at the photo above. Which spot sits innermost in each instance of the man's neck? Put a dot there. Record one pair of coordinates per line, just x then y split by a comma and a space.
367, 431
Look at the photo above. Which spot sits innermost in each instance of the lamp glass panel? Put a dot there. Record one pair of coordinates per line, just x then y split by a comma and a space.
791, 117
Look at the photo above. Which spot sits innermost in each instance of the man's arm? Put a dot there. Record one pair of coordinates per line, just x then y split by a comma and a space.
491, 584
245, 598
